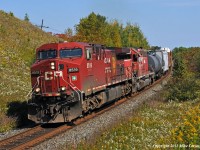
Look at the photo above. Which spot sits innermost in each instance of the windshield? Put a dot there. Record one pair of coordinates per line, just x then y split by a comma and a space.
68, 53
47, 54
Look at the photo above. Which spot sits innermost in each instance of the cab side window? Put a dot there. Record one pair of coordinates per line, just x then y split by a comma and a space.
88, 52
135, 57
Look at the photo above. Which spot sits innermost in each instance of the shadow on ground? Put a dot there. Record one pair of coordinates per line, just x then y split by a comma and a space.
19, 111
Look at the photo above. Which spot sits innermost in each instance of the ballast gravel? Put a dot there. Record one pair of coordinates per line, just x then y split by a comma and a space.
12, 133
97, 125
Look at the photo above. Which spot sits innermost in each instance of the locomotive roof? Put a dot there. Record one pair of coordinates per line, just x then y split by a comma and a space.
63, 44
119, 49
67, 44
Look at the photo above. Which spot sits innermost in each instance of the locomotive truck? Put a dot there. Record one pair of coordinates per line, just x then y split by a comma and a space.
70, 79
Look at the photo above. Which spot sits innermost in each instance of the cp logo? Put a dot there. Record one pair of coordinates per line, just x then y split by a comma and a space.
50, 75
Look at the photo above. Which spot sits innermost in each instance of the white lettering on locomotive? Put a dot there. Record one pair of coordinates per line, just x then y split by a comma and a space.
107, 70
71, 70
106, 60
89, 65
50, 75
58, 73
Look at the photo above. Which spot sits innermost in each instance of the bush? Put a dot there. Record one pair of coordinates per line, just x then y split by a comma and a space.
188, 131
19, 39
183, 89
6, 123
185, 84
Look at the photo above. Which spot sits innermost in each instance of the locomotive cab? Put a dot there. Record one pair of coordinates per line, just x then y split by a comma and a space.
50, 71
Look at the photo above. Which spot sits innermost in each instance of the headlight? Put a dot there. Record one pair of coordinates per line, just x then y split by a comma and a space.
52, 65
63, 88
37, 90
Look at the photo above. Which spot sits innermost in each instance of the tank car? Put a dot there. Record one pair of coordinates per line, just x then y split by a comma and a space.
155, 63
159, 61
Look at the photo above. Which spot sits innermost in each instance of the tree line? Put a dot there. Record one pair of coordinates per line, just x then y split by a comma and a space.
185, 83
96, 29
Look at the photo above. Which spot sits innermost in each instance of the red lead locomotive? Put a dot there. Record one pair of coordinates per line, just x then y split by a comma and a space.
70, 79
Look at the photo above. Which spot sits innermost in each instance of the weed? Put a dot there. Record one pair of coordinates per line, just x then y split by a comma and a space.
148, 128
18, 41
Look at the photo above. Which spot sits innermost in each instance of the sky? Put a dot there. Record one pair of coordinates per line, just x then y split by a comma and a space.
165, 23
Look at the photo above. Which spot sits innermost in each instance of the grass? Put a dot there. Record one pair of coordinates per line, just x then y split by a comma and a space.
150, 127
18, 41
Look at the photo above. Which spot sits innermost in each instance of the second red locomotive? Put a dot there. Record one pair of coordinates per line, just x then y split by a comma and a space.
70, 79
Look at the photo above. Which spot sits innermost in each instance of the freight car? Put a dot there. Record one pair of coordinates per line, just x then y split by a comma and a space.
160, 61
70, 79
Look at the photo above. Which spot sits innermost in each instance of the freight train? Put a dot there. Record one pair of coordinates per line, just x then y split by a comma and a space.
70, 79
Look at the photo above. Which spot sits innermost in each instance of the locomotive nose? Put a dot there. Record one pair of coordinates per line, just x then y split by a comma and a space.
48, 80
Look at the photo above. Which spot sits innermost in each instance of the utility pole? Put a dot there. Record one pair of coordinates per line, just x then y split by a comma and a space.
42, 26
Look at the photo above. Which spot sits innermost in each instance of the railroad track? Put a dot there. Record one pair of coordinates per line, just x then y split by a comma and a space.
39, 134
31, 137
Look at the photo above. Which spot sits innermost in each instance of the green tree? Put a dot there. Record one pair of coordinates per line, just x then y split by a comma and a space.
180, 68
96, 29
92, 29
11, 14
155, 47
114, 30
185, 83
26, 17
133, 37
69, 32
198, 62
